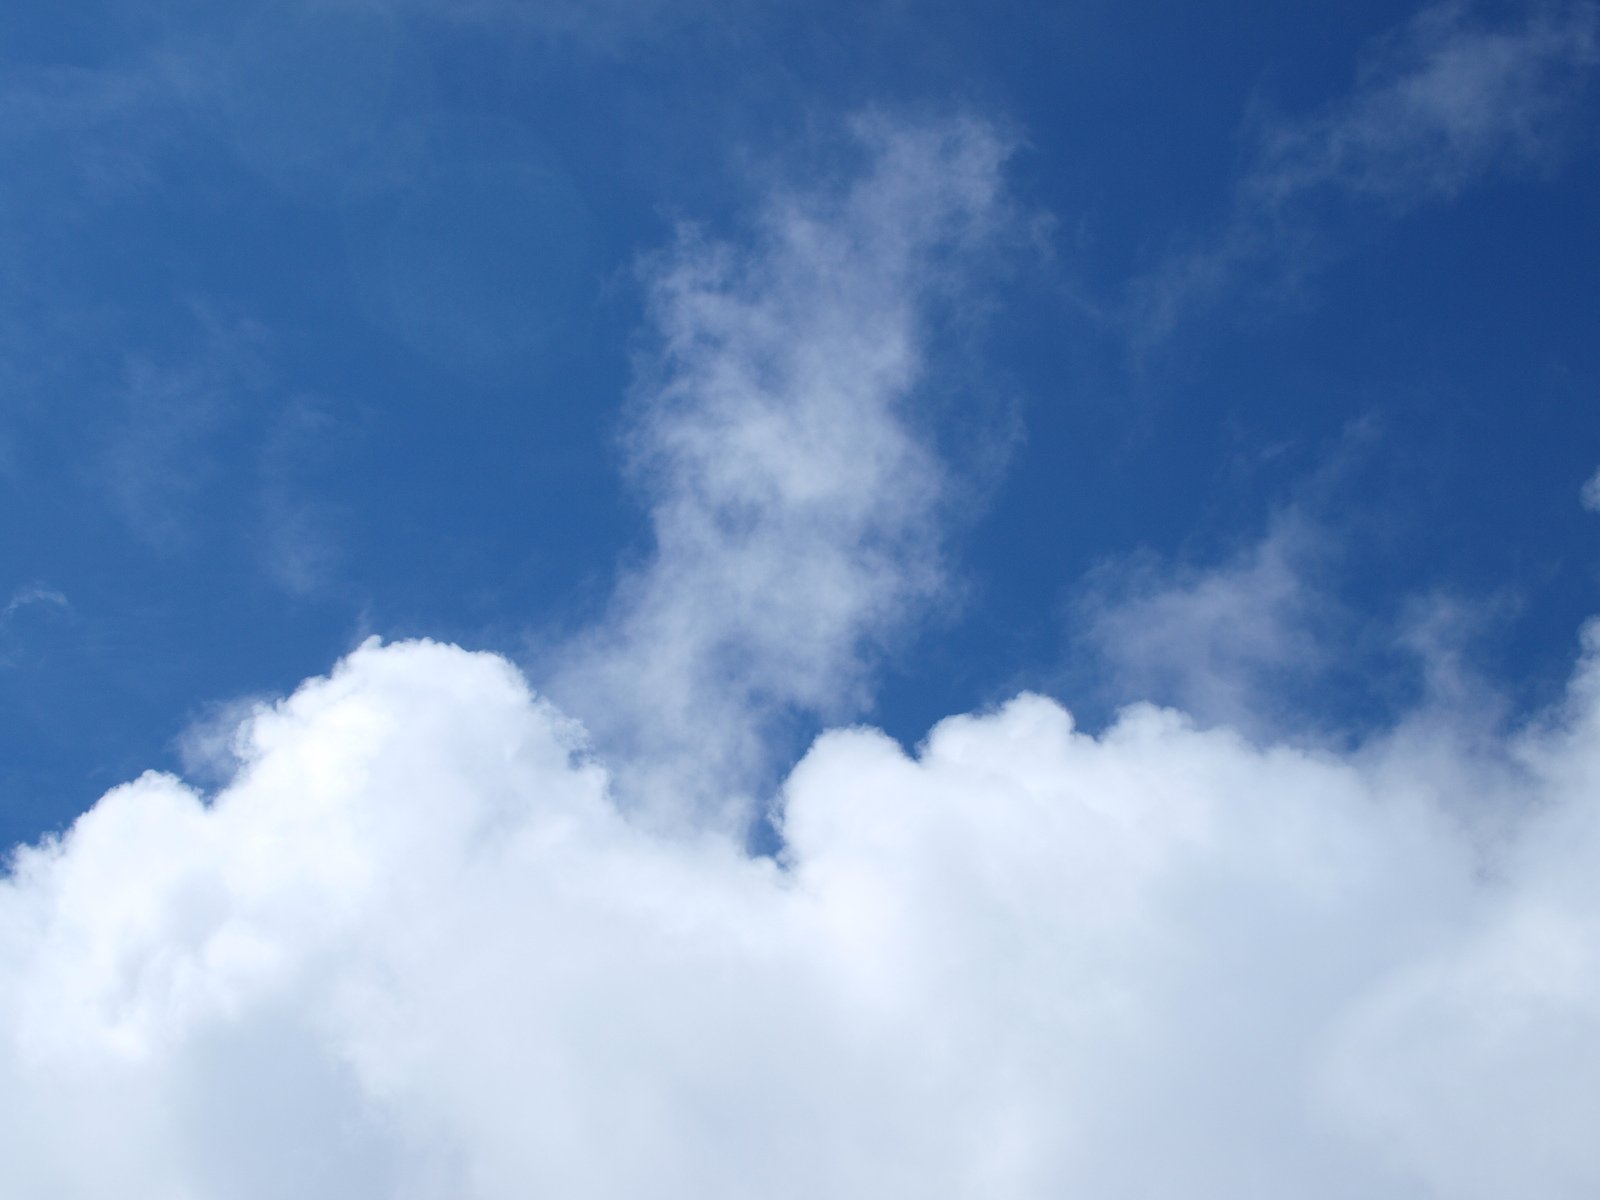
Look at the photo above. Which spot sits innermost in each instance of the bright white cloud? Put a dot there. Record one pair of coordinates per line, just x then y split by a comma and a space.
794, 505
414, 950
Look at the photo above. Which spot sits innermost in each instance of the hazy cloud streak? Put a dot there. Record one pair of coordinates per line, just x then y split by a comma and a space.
794, 506
1439, 105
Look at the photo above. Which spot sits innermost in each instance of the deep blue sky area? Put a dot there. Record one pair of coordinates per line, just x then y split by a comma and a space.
320, 320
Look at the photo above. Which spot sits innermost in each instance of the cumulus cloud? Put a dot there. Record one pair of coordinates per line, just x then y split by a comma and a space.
1438, 105
794, 504
414, 949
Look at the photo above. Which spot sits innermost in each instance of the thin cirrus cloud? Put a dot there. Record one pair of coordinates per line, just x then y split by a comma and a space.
416, 948
104, 129
150, 460
34, 596
1441, 104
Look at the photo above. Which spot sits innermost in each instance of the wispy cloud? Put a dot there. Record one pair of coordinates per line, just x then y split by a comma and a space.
1439, 105
1590, 495
154, 456
1443, 102
107, 127
300, 548
794, 504
1220, 642
1265, 641
77, 141
33, 594
29, 596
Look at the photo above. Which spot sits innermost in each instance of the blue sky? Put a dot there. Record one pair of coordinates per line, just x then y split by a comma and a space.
742, 371
322, 319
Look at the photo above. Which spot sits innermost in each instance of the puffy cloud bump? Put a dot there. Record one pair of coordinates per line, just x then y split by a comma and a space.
413, 950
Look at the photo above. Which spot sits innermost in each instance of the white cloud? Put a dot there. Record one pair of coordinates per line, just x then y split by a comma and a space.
1590, 495
30, 596
1262, 640
1219, 642
1444, 101
1440, 104
413, 949
793, 505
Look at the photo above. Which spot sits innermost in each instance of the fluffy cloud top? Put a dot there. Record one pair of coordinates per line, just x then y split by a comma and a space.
413, 949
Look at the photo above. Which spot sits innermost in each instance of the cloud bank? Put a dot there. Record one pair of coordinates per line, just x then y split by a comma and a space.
424, 944
414, 949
